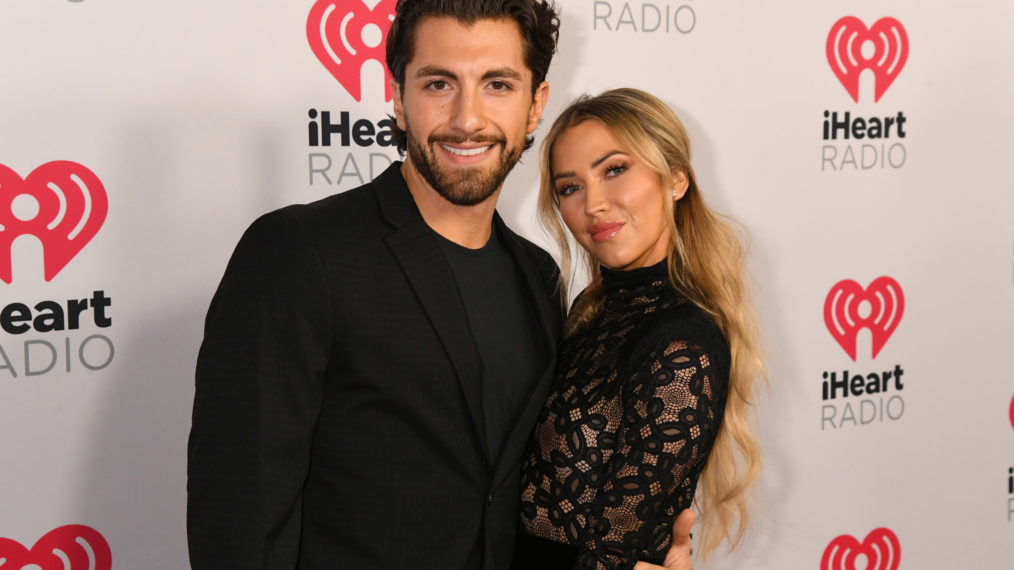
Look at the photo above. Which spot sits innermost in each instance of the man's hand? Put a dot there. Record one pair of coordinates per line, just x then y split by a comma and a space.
678, 557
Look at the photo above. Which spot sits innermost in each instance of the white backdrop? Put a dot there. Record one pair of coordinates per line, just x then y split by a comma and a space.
194, 118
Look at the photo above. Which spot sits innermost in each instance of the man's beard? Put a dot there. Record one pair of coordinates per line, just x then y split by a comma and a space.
464, 186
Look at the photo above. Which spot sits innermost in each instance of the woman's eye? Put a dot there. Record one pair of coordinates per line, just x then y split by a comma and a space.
568, 189
616, 170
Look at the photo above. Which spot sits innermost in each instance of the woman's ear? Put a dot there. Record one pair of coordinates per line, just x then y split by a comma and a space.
680, 183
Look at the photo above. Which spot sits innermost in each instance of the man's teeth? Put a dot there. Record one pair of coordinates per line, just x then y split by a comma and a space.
466, 151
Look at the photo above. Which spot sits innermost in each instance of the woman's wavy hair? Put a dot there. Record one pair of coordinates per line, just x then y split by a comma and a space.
706, 266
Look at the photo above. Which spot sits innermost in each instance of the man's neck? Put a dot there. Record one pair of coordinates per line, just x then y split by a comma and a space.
467, 226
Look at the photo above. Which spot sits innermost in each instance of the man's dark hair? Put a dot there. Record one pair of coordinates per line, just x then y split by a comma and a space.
537, 20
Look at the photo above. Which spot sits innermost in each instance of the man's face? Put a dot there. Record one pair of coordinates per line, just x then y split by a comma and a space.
466, 106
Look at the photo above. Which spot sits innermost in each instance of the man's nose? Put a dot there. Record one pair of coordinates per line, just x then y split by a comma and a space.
469, 113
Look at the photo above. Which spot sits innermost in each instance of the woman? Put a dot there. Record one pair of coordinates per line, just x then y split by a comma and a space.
656, 373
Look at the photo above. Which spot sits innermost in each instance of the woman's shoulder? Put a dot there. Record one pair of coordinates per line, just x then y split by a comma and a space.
682, 325
680, 346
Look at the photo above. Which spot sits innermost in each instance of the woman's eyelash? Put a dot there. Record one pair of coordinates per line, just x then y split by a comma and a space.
567, 189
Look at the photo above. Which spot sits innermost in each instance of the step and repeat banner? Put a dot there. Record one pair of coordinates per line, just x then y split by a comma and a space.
864, 145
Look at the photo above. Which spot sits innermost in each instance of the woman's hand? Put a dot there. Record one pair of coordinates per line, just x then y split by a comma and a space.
678, 557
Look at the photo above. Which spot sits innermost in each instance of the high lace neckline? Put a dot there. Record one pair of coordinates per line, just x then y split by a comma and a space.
636, 288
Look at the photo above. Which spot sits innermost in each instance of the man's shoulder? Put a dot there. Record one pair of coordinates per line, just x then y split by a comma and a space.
346, 212
535, 252
352, 204
314, 220
544, 264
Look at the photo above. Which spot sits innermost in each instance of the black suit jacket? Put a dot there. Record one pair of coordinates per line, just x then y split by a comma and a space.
337, 420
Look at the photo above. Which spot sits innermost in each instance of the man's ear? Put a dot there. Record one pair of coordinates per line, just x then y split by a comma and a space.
538, 105
399, 110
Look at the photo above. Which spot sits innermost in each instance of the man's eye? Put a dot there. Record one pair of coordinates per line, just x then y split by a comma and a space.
437, 85
500, 86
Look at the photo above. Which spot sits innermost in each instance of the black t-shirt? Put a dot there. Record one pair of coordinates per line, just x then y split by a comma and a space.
504, 327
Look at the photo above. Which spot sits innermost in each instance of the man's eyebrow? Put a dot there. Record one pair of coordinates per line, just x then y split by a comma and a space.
503, 72
432, 70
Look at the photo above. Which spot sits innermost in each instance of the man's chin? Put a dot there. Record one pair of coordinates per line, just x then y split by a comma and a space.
468, 191
468, 185
462, 182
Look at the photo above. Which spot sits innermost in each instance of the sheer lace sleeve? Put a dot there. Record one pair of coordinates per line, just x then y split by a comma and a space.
672, 405
628, 424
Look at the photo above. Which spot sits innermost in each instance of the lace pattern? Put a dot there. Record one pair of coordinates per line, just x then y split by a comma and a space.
628, 425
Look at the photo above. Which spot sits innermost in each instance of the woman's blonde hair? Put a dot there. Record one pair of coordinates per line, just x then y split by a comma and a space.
706, 266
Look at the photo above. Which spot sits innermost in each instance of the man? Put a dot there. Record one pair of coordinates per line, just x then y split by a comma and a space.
373, 362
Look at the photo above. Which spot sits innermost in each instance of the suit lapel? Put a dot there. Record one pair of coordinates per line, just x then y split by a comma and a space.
417, 251
539, 282
549, 313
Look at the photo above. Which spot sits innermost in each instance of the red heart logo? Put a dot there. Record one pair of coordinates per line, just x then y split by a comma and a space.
71, 547
881, 549
886, 305
343, 40
845, 44
68, 206
1012, 412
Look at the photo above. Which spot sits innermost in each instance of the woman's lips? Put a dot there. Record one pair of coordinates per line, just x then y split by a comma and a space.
605, 230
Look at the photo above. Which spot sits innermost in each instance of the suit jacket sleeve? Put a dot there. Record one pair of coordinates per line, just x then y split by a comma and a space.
258, 393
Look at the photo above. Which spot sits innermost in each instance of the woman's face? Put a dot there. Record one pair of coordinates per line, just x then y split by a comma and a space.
613, 204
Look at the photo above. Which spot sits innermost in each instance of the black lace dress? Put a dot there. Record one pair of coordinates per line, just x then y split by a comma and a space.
626, 431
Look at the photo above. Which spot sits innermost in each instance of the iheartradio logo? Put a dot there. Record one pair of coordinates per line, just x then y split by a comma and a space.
62, 203
71, 547
848, 308
853, 48
879, 551
344, 38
